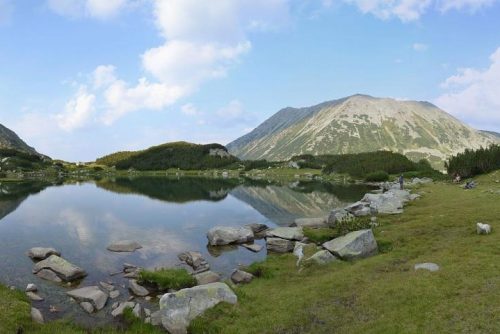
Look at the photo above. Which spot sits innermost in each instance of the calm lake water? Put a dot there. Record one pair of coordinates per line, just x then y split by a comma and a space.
166, 216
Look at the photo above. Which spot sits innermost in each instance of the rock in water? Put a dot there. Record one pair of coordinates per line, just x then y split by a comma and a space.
41, 253
88, 307
195, 260
90, 294
220, 235
257, 228
66, 271
253, 247
279, 245
31, 288
178, 309
241, 277
34, 296
355, 245
49, 275
124, 246
427, 266
137, 289
289, 233
36, 316
207, 277
322, 257
118, 311
483, 228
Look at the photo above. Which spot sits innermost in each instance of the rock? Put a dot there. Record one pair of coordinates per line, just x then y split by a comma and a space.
138, 311
133, 274
414, 197
115, 305
359, 209
279, 245
309, 222
118, 311
114, 294
66, 271
127, 266
427, 266
124, 246
31, 288
91, 294
107, 286
48, 275
207, 277
147, 312
241, 277
339, 215
156, 318
33, 296
322, 257
137, 289
483, 228
195, 260
36, 316
257, 228
253, 247
289, 233
355, 245
41, 253
220, 235
390, 202
178, 309
88, 307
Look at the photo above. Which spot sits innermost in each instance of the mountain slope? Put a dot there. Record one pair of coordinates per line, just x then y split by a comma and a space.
10, 140
357, 124
496, 134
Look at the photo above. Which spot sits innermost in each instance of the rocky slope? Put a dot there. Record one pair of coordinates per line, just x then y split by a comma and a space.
10, 140
361, 123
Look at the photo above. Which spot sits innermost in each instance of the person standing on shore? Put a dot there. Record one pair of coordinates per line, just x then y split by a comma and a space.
401, 182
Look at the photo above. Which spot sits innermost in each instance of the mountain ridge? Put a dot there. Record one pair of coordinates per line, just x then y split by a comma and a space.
10, 140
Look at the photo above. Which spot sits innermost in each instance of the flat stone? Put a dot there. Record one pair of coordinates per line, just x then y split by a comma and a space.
124, 246
427, 266
253, 247
88, 307
322, 257
207, 277
66, 271
241, 277
279, 245
31, 287
354, 245
41, 253
289, 233
178, 309
37, 316
91, 294
137, 289
33, 296
226, 235
118, 311
49, 275
114, 294
107, 286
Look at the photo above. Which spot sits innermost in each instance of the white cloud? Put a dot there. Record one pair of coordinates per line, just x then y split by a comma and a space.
472, 5
190, 109
100, 9
104, 75
78, 111
473, 94
420, 47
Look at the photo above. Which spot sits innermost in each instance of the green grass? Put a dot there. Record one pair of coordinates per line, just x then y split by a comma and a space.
166, 278
384, 294
320, 235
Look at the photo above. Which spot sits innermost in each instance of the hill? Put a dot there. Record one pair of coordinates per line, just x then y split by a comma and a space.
496, 134
183, 155
10, 140
361, 123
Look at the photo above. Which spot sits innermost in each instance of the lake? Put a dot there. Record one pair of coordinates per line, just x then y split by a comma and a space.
166, 216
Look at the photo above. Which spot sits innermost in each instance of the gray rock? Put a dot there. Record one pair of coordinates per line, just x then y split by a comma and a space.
427, 266
289, 233
133, 274
355, 245
147, 312
253, 247
195, 260
88, 307
138, 311
257, 228
36, 316
241, 277
124, 246
49, 275
41, 253
156, 318
106, 286
207, 277
309, 222
483, 228
359, 209
118, 311
339, 215
33, 296
127, 266
114, 294
31, 288
322, 257
66, 271
178, 309
278, 245
390, 202
137, 289
91, 294
220, 235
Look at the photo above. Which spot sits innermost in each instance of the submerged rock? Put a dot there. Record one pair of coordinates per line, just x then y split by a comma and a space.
41, 253
90, 294
49, 275
178, 309
253, 247
289, 233
66, 271
195, 260
124, 246
355, 245
221, 235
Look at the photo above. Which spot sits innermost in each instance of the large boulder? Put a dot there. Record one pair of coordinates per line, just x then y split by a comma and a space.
278, 245
179, 308
90, 294
309, 222
225, 235
390, 202
339, 216
289, 233
66, 271
355, 245
41, 253
322, 257
124, 246
359, 209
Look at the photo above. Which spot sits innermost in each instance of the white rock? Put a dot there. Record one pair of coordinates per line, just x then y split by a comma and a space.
427, 266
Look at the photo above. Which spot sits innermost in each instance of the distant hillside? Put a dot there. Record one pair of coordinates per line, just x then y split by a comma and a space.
496, 134
11, 141
181, 155
358, 124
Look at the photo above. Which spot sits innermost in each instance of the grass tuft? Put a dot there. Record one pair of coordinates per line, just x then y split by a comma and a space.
166, 278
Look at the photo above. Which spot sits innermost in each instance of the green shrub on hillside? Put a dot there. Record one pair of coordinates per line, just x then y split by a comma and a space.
379, 176
474, 162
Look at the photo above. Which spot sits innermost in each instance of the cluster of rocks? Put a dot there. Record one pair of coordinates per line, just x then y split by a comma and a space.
49, 265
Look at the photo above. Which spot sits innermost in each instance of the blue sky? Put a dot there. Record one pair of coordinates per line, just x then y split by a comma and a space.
83, 78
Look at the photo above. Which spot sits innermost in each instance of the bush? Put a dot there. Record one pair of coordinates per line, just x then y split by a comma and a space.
165, 279
379, 176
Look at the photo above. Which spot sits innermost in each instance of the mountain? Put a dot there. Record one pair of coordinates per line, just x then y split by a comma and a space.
496, 134
10, 140
183, 155
360, 123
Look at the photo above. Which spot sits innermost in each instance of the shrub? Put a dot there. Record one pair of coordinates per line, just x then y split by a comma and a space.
166, 279
320, 235
379, 176
474, 162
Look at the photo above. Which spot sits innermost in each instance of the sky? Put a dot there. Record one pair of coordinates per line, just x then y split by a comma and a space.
83, 78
